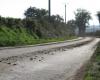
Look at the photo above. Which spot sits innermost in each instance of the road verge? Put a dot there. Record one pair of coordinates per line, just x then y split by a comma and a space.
91, 69
80, 38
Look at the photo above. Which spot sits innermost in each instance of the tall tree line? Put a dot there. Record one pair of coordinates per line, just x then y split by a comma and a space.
37, 21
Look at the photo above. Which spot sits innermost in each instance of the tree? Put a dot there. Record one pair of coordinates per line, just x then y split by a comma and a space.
98, 15
71, 26
35, 13
82, 17
56, 19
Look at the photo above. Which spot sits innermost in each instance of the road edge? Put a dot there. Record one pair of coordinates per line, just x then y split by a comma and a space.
13, 47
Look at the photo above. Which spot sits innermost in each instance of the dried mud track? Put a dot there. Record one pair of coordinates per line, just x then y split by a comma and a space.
50, 62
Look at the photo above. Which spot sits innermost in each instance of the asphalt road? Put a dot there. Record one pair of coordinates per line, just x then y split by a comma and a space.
62, 64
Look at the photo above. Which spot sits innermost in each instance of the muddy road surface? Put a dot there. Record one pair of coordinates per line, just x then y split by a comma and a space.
47, 62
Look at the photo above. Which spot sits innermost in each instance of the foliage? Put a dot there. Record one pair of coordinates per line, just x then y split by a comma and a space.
37, 21
98, 15
35, 13
72, 26
82, 17
34, 28
14, 36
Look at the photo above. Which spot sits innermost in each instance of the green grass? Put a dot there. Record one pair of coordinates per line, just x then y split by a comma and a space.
11, 37
20, 36
93, 69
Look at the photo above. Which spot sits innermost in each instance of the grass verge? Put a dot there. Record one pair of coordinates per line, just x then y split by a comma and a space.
20, 36
93, 67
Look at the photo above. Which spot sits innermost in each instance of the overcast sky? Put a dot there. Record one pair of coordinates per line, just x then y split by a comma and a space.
16, 8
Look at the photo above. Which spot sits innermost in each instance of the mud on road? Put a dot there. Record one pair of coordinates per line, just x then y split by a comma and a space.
13, 59
58, 63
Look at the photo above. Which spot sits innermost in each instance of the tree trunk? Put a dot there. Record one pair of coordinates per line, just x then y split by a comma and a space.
81, 31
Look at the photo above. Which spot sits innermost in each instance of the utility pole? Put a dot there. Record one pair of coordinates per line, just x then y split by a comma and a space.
65, 13
49, 8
